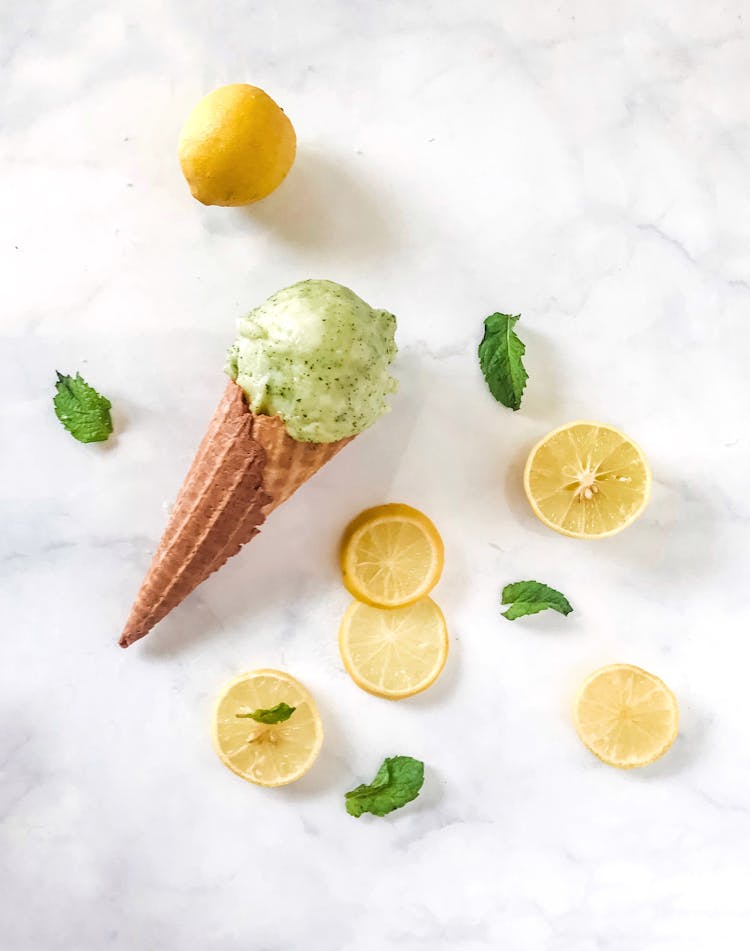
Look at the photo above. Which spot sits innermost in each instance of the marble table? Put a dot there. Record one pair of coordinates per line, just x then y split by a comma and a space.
582, 164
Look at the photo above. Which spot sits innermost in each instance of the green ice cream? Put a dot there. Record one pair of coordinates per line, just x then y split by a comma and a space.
316, 355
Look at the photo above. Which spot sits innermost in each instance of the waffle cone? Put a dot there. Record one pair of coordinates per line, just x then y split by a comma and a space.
288, 462
246, 466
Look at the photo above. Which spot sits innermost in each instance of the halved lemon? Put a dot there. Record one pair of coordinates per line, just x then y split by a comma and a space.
626, 716
266, 754
391, 555
587, 480
396, 652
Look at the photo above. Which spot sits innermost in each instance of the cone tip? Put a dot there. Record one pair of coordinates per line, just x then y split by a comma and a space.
130, 636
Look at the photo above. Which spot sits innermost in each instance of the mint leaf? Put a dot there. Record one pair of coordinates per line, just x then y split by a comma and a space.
531, 597
397, 782
500, 355
81, 410
278, 714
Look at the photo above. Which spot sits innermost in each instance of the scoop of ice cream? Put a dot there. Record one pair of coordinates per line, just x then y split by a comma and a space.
316, 355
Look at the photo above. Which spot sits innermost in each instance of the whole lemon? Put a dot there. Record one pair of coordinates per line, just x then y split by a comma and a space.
236, 146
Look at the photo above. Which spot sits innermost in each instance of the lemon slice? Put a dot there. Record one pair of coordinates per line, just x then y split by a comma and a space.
396, 652
391, 555
626, 716
269, 755
587, 480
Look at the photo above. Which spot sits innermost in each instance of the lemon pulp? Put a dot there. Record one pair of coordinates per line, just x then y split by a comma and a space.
626, 716
396, 652
391, 555
273, 754
587, 480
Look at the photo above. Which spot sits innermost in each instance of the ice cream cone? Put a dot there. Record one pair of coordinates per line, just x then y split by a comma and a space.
245, 467
289, 462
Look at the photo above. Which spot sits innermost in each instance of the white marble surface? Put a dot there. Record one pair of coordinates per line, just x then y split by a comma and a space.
584, 164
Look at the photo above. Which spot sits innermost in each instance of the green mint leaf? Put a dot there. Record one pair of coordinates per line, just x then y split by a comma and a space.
397, 782
500, 354
531, 597
282, 711
81, 410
